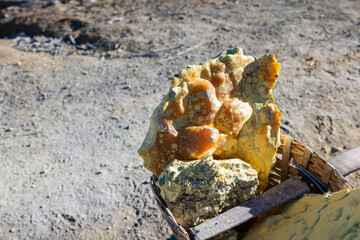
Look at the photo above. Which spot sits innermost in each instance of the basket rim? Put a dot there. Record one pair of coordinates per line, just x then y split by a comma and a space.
292, 149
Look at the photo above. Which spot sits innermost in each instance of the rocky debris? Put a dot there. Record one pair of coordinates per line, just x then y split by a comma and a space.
199, 190
22, 3
26, 43
69, 19
58, 46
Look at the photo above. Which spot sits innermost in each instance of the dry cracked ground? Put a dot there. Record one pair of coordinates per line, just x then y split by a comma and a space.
73, 117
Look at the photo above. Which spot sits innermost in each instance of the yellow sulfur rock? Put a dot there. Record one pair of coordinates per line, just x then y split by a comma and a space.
313, 217
223, 107
201, 189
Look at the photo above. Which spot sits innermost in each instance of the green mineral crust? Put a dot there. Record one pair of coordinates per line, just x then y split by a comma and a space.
201, 189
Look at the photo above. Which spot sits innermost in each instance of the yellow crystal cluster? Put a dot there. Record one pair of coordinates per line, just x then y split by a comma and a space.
223, 107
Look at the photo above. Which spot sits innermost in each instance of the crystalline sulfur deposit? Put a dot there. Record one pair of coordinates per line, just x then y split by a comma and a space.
224, 108
198, 190
335, 216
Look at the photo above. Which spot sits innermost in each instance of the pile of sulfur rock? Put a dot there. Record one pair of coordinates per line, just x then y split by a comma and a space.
213, 138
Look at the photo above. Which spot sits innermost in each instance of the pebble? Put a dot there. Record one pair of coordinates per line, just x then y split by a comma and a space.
113, 20
225, 28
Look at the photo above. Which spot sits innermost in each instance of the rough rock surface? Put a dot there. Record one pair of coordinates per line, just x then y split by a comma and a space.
198, 190
335, 216
223, 107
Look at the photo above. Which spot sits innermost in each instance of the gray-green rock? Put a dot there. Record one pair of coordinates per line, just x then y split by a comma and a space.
199, 190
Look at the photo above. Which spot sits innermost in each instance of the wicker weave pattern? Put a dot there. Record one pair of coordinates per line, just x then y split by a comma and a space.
282, 170
310, 160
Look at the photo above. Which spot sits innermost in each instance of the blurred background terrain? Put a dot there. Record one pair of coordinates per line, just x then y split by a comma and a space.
80, 79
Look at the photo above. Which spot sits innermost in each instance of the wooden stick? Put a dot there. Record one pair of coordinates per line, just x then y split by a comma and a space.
153, 52
27, 89
72, 40
180, 53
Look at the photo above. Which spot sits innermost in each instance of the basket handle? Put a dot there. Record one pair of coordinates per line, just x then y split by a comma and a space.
346, 162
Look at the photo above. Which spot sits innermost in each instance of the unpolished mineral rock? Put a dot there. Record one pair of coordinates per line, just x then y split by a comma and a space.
198, 190
224, 108
335, 216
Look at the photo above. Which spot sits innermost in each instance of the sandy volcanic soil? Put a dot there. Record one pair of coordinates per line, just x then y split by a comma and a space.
71, 125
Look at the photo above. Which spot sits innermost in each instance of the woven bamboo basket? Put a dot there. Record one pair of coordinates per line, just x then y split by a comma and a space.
289, 150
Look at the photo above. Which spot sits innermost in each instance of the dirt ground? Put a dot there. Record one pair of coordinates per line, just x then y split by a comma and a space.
71, 123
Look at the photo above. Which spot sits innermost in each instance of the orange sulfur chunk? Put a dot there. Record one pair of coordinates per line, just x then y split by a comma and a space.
176, 106
197, 141
201, 102
232, 116
220, 80
269, 69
